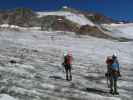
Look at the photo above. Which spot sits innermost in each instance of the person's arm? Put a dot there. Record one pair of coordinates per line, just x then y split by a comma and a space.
118, 65
119, 69
63, 61
72, 59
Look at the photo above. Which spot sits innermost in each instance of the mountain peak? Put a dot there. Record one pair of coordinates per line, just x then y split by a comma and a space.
64, 7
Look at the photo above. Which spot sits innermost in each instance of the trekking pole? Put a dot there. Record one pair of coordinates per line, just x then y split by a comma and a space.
62, 66
108, 80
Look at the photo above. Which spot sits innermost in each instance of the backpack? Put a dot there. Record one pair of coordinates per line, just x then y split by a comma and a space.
109, 60
115, 66
115, 69
68, 59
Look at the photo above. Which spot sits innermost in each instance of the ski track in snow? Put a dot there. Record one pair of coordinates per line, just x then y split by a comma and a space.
37, 73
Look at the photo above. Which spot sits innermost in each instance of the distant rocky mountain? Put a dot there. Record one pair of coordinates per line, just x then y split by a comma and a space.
93, 16
99, 18
65, 19
26, 17
20, 16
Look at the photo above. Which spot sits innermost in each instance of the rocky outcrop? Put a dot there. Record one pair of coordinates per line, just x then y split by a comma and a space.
21, 17
27, 18
54, 22
92, 31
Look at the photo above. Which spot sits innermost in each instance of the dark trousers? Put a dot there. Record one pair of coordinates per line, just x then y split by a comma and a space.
68, 72
113, 84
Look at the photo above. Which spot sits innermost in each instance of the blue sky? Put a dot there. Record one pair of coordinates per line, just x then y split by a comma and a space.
116, 9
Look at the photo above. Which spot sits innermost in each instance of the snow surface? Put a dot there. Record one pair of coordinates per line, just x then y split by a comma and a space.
120, 30
37, 73
7, 26
76, 18
6, 97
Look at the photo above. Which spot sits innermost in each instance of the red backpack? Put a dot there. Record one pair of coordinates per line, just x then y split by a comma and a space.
109, 60
68, 59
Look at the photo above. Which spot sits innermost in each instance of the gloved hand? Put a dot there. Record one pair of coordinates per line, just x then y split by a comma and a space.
119, 74
106, 74
63, 64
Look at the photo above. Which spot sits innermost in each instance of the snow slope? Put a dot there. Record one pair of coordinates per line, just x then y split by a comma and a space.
115, 30
76, 18
120, 30
7, 26
37, 73
6, 97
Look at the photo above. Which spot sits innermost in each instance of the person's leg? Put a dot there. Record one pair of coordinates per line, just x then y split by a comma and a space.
115, 86
66, 68
70, 72
111, 84
67, 75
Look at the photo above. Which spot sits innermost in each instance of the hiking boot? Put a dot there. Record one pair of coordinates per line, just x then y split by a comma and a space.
67, 77
117, 93
111, 91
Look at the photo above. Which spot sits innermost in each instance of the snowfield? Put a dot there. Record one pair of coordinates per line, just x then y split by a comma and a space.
30, 66
76, 18
120, 30
7, 26
6, 97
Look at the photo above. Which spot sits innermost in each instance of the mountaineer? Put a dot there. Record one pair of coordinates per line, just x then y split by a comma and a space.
67, 64
113, 73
